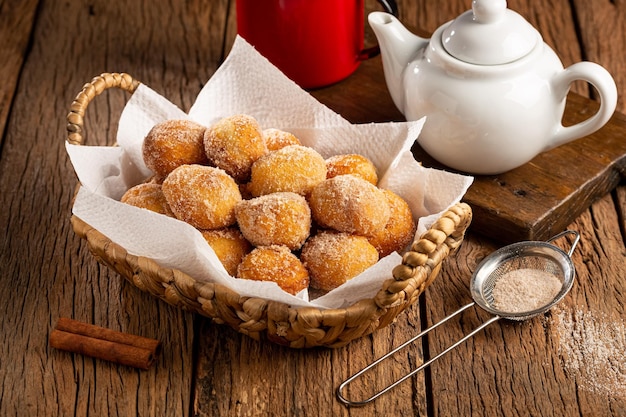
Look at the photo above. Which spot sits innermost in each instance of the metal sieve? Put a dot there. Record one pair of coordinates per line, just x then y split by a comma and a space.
534, 255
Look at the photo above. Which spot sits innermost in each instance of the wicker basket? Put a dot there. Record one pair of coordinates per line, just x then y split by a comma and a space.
258, 318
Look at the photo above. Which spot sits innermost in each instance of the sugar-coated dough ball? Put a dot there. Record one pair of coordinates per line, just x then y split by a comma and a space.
349, 204
233, 144
354, 164
294, 168
173, 143
202, 196
276, 139
229, 245
275, 219
332, 258
154, 179
148, 196
276, 264
399, 231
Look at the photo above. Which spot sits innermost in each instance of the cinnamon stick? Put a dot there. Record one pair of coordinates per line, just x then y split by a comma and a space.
101, 343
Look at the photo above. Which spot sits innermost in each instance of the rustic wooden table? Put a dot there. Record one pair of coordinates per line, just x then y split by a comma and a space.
569, 362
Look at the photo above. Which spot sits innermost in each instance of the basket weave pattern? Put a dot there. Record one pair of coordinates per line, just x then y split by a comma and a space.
297, 327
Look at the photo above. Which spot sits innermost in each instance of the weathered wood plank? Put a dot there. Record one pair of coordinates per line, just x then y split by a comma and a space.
208, 369
602, 37
515, 368
46, 270
16, 23
240, 376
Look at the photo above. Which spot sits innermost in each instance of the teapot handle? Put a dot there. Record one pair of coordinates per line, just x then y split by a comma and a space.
604, 84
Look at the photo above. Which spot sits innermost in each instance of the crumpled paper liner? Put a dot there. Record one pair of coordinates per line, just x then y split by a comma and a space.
247, 83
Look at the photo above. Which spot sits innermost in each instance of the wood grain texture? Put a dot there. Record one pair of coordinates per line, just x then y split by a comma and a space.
234, 377
52, 48
605, 43
16, 24
514, 368
46, 271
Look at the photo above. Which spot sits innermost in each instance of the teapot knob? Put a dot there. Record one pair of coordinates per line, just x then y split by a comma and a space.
488, 11
489, 34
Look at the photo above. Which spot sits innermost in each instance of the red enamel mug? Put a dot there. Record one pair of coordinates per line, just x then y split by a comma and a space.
313, 42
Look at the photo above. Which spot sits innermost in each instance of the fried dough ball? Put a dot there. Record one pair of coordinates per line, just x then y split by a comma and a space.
354, 164
233, 144
154, 179
276, 139
275, 219
229, 245
148, 196
276, 264
399, 231
173, 143
349, 204
202, 196
294, 168
332, 258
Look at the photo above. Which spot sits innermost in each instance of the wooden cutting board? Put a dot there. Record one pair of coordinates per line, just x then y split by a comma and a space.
541, 198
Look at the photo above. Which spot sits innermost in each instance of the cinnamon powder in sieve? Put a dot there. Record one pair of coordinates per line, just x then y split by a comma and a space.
525, 289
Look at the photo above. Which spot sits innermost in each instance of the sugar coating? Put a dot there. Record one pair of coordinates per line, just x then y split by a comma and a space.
276, 139
148, 196
354, 164
233, 144
268, 235
294, 168
275, 219
332, 258
399, 231
229, 245
202, 196
349, 204
173, 143
277, 264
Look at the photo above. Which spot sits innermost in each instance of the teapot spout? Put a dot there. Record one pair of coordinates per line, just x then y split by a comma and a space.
398, 47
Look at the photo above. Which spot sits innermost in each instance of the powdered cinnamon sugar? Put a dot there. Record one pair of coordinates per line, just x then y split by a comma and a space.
524, 290
592, 347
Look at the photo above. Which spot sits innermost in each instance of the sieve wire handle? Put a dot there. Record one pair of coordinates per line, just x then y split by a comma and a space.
344, 384
567, 232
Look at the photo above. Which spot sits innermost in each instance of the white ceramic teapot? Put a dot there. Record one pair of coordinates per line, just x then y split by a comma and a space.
492, 91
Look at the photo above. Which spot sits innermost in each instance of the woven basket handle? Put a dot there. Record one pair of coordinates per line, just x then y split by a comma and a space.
421, 263
75, 118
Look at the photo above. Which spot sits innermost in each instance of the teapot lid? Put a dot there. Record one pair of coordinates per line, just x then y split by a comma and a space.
489, 34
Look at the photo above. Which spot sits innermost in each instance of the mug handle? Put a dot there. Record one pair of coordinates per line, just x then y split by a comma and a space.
604, 84
390, 6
